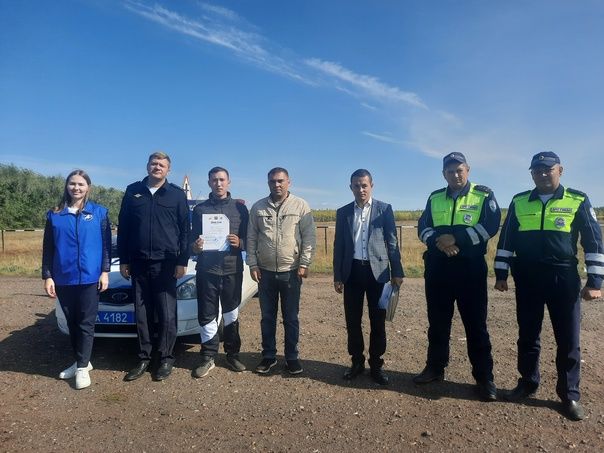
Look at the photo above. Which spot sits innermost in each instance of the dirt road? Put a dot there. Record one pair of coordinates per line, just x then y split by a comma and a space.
317, 411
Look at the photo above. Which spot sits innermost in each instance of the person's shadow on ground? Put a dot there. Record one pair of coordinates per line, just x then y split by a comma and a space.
41, 349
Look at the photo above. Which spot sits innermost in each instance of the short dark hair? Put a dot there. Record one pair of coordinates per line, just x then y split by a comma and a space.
277, 170
216, 170
360, 173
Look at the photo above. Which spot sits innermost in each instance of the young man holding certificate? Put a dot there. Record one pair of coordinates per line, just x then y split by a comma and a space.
218, 234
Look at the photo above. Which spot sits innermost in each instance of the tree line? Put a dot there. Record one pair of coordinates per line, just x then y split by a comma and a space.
26, 196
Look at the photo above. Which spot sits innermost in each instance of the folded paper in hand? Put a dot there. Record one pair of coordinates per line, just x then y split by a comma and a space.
389, 300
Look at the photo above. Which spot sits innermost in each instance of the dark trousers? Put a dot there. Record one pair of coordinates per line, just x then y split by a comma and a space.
155, 295
272, 287
558, 288
80, 304
463, 280
218, 294
361, 283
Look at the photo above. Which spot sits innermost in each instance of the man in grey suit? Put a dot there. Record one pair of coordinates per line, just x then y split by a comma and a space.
365, 257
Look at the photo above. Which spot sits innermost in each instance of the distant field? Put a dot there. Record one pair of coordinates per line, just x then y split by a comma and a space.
23, 251
412, 248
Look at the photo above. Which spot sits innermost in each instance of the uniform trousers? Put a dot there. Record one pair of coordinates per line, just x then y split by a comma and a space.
155, 295
463, 280
538, 285
80, 305
218, 294
359, 284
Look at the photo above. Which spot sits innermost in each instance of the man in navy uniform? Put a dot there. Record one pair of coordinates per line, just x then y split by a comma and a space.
152, 242
455, 226
365, 257
538, 243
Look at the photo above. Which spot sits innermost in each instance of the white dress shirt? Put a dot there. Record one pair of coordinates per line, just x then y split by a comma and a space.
360, 230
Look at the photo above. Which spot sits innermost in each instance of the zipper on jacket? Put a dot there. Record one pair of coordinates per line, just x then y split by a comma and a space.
453, 211
543, 213
77, 233
277, 237
150, 223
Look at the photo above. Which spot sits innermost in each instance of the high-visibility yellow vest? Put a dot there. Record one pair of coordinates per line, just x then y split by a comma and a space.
465, 210
555, 215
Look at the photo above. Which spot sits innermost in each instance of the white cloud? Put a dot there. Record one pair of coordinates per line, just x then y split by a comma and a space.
367, 85
220, 11
385, 138
217, 30
223, 27
368, 106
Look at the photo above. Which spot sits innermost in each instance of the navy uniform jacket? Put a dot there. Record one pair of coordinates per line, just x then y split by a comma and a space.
382, 246
553, 247
471, 240
153, 227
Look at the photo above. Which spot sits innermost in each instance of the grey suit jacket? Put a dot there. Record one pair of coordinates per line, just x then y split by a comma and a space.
382, 247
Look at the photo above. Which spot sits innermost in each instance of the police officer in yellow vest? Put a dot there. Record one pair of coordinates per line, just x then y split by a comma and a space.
455, 226
539, 243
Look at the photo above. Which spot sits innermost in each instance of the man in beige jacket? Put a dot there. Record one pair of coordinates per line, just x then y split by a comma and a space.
281, 241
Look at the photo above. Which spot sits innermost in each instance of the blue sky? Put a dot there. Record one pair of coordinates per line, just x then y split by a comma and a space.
321, 87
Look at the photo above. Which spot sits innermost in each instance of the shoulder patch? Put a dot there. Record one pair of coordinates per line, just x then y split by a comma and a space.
492, 205
484, 189
239, 201
592, 211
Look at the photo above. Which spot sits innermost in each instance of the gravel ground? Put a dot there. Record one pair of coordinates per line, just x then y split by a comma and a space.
316, 411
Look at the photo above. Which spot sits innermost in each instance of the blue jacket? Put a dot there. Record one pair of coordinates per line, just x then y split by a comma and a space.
76, 248
384, 254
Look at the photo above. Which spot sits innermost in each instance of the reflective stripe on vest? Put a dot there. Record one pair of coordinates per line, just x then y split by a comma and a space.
465, 210
555, 215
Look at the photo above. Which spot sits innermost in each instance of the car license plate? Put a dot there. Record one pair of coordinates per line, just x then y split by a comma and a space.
115, 317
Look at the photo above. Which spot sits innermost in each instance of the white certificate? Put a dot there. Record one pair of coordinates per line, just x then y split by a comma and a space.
215, 229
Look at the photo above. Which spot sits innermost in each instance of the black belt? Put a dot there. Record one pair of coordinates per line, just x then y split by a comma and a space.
362, 262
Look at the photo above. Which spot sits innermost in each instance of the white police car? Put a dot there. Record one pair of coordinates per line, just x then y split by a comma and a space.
116, 316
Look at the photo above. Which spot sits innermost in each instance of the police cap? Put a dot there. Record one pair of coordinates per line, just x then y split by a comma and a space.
544, 159
454, 157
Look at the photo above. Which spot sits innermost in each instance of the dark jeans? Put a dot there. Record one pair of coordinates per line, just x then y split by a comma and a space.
361, 282
213, 293
272, 286
537, 286
155, 295
80, 304
465, 281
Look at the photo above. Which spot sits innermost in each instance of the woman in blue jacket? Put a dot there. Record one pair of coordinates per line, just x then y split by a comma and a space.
76, 260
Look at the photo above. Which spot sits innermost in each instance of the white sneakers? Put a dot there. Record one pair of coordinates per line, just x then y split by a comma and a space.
82, 378
81, 375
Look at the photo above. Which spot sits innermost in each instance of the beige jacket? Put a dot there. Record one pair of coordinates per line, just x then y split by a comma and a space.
283, 238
